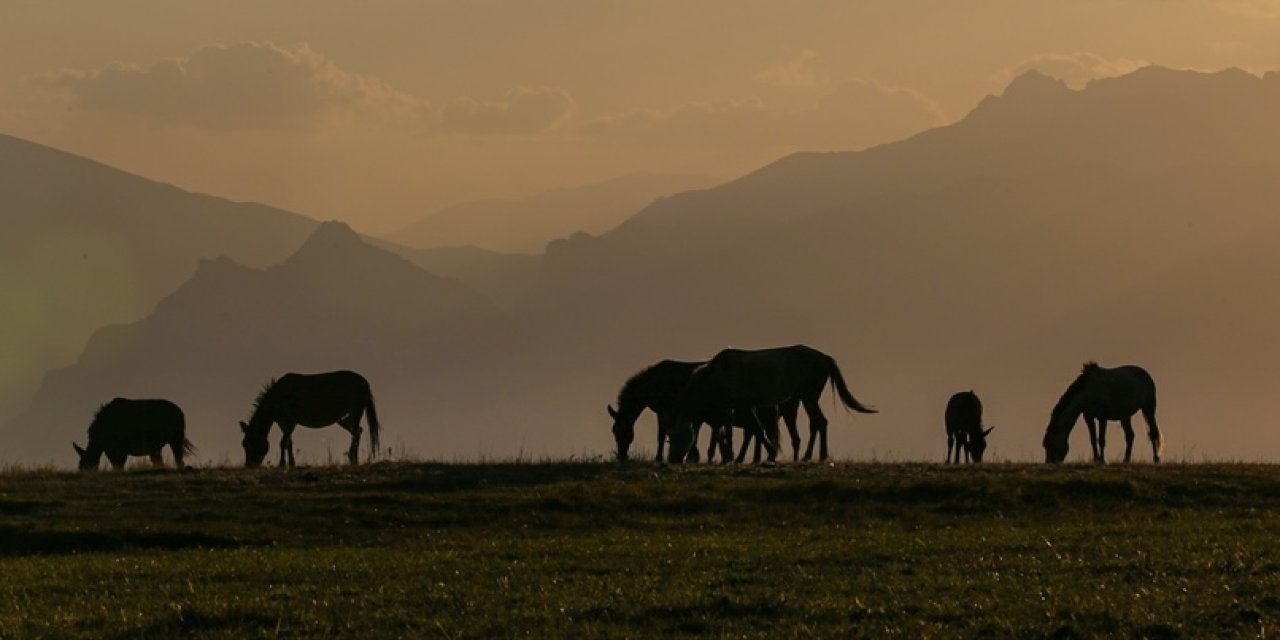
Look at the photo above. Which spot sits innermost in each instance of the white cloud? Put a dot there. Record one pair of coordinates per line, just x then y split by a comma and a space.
1076, 69
853, 114
235, 87
523, 110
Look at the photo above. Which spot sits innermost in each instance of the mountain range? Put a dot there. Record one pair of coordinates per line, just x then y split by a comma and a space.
1131, 221
526, 225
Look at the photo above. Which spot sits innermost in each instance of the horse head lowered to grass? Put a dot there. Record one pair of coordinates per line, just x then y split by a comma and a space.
124, 427
1101, 394
311, 400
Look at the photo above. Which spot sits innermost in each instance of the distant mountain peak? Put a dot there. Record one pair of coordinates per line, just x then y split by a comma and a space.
1033, 82
333, 232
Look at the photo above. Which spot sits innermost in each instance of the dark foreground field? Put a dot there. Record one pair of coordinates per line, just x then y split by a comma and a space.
597, 550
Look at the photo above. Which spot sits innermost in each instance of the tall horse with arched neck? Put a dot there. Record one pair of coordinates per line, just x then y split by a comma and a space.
737, 381
1101, 394
311, 400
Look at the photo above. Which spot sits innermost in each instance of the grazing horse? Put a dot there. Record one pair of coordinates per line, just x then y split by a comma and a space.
964, 427
311, 400
124, 427
657, 388
737, 381
1101, 394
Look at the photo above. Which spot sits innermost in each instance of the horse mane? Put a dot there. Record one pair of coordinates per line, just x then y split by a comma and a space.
262, 400
1086, 373
631, 385
262, 395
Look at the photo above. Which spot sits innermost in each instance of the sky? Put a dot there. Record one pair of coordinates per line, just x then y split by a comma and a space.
379, 112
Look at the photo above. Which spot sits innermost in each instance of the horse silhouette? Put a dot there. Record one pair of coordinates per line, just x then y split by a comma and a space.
311, 400
736, 381
125, 427
657, 388
964, 427
1101, 394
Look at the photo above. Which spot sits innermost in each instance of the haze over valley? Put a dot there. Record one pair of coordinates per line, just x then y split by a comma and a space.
505, 263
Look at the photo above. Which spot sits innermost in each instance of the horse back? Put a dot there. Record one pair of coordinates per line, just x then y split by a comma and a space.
137, 427
319, 399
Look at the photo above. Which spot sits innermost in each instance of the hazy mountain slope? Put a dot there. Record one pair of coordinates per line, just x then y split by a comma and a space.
1151, 120
502, 277
86, 245
337, 302
525, 225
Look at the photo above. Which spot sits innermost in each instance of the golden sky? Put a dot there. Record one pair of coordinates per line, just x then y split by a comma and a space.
380, 111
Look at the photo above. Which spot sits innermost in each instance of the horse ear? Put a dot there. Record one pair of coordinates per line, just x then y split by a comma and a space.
243, 426
612, 414
988, 431
79, 451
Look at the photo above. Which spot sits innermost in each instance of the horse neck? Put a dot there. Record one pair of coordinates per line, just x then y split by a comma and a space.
1067, 412
631, 403
262, 418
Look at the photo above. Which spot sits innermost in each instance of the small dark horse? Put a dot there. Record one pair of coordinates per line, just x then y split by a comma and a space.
964, 427
657, 388
311, 400
736, 381
1101, 394
124, 427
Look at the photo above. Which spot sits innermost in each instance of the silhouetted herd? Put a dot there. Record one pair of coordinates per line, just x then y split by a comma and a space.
747, 390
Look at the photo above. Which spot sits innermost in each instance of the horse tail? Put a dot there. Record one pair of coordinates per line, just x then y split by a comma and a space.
371, 414
188, 449
1153, 429
837, 383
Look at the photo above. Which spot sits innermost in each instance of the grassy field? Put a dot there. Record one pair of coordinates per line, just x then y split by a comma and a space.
601, 550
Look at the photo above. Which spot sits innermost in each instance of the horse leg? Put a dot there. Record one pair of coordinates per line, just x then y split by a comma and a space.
1093, 436
663, 419
818, 426
1102, 440
117, 461
726, 441
789, 410
693, 455
747, 439
157, 458
951, 439
353, 427
286, 445
772, 432
1127, 424
176, 448
1153, 432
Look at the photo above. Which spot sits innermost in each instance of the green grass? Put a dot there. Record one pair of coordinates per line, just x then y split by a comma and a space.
599, 550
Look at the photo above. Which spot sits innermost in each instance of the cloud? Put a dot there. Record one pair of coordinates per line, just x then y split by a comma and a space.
523, 110
1252, 9
234, 87
1076, 69
853, 114
802, 70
